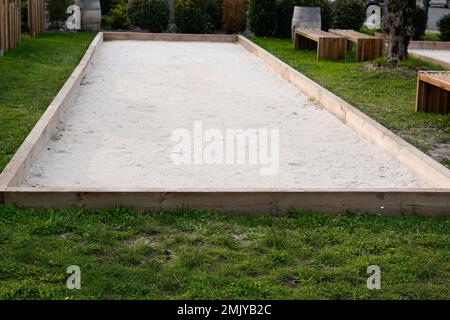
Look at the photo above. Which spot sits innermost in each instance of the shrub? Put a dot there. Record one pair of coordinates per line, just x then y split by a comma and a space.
190, 16
57, 14
25, 16
444, 27
117, 18
234, 15
213, 15
108, 5
349, 14
198, 16
152, 15
261, 14
420, 21
283, 20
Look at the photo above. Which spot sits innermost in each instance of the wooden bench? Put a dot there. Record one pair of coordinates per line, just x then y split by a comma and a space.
329, 46
367, 47
433, 92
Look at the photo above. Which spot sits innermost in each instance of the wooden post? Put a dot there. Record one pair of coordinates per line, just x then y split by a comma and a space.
10, 24
36, 17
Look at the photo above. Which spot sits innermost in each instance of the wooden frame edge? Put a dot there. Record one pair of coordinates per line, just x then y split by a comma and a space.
430, 45
432, 172
383, 201
114, 36
427, 203
44, 128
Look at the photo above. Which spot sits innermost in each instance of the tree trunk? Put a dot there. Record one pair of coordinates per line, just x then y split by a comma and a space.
400, 28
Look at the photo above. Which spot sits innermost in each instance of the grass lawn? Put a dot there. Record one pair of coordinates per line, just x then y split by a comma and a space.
386, 95
201, 255
431, 37
194, 254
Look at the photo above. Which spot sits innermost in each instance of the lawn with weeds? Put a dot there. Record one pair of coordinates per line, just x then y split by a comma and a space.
193, 254
388, 95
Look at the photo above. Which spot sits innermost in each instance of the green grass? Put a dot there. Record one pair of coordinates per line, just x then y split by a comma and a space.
201, 255
426, 37
386, 95
431, 37
195, 254
30, 77
370, 32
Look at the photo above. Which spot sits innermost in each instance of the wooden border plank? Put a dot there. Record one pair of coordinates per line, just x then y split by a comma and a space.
430, 45
46, 126
383, 201
112, 36
429, 170
428, 203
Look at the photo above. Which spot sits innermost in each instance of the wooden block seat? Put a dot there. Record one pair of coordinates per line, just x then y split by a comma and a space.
329, 46
433, 92
367, 47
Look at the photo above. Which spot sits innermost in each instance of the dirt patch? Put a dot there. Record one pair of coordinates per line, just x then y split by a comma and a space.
142, 240
66, 235
293, 283
440, 151
389, 69
240, 237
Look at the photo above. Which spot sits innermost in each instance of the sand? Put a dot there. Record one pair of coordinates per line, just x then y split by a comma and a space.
117, 132
441, 55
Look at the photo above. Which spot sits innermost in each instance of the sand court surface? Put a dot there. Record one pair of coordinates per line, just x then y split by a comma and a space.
440, 55
117, 132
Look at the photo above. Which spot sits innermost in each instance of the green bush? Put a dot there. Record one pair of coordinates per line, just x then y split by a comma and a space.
57, 12
213, 15
197, 16
444, 27
420, 21
117, 18
108, 5
25, 16
261, 14
152, 15
285, 10
190, 16
349, 14
283, 18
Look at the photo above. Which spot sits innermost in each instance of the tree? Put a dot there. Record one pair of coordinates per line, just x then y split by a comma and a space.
400, 28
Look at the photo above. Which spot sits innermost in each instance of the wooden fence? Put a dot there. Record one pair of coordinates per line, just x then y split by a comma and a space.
36, 16
10, 24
